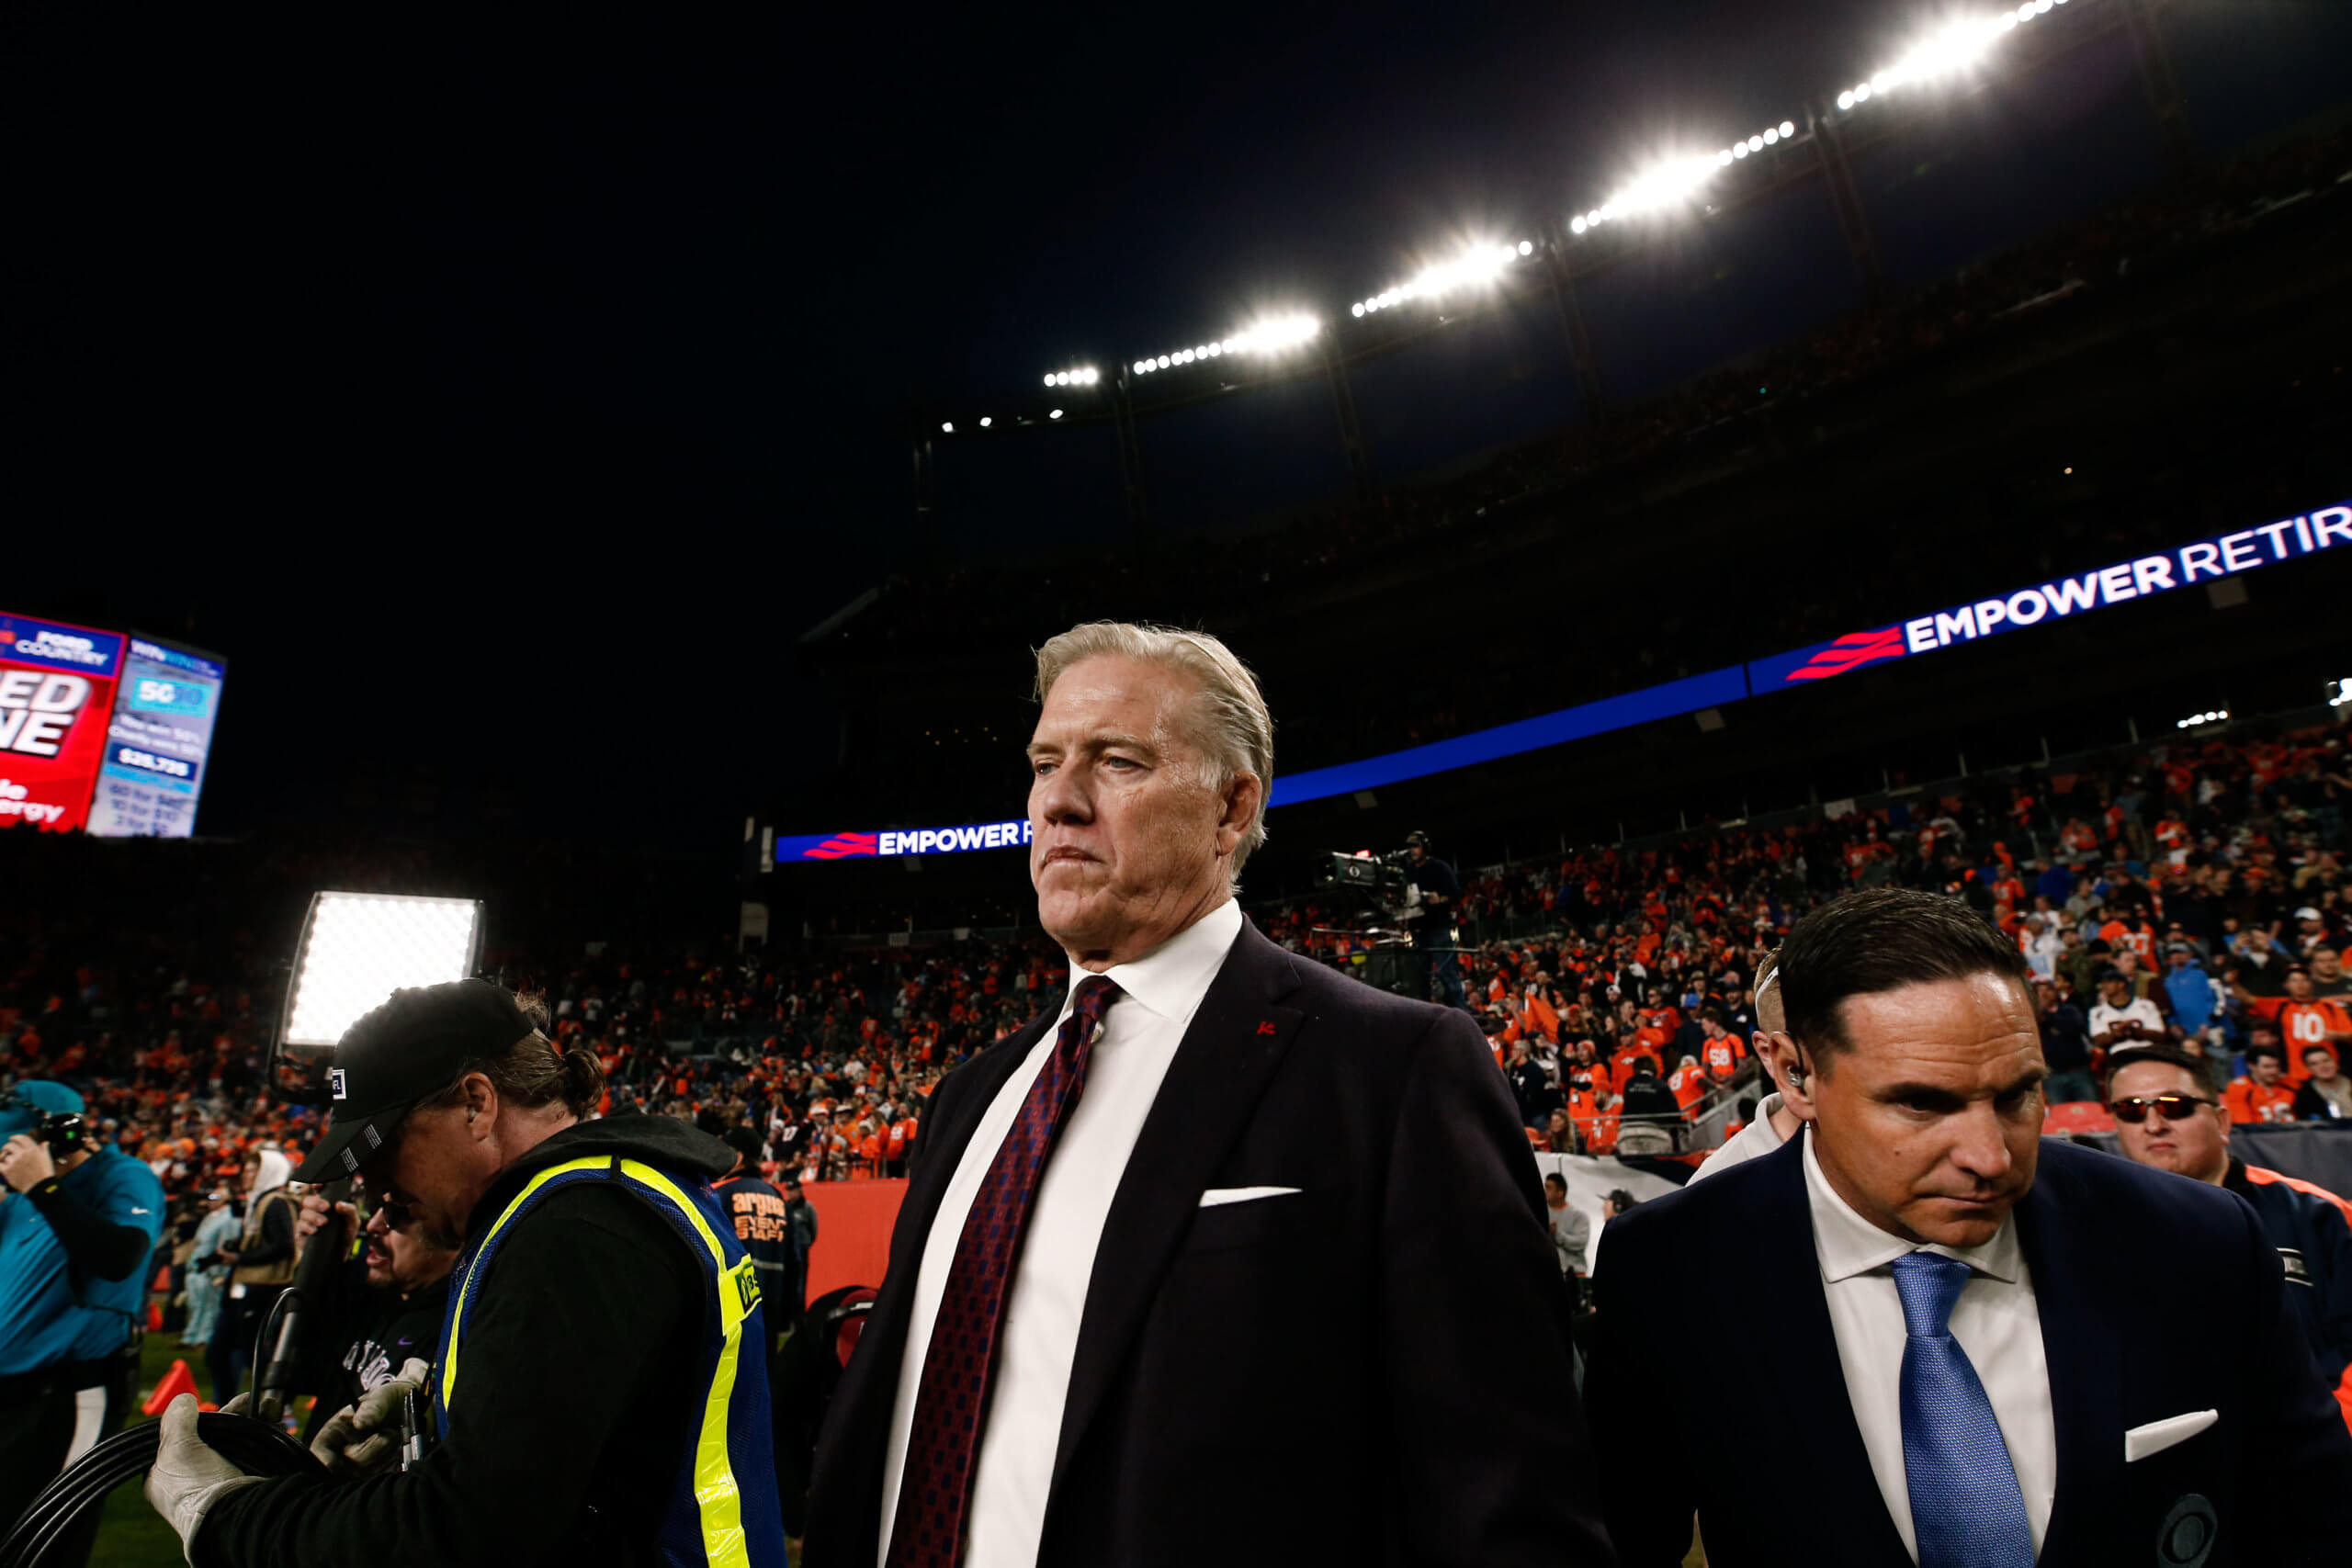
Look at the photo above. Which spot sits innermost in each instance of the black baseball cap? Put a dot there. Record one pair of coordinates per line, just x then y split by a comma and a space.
406, 1050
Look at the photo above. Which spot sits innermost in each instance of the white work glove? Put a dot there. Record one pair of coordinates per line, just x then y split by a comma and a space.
188, 1477
365, 1437
241, 1405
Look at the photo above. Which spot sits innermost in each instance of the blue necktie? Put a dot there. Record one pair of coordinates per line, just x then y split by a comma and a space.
1967, 1509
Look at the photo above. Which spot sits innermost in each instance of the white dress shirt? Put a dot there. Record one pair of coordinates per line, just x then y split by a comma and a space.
1996, 1321
1759, 1138
1045, 1299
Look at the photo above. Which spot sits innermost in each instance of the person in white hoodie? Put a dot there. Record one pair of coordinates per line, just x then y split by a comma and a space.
1775, 1124
260, 1265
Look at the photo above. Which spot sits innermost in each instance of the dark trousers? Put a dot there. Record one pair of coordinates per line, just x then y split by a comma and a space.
35, 1436
1445, 966
230, 1354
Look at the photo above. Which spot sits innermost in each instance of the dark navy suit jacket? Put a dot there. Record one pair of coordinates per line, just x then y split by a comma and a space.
2159, 1297
1373, 1371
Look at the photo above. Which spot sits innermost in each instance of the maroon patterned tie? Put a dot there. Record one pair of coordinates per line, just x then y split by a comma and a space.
935, 1487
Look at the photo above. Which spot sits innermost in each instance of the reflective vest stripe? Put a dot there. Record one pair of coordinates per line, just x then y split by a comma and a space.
739, 1292
718, 1497
465, 1285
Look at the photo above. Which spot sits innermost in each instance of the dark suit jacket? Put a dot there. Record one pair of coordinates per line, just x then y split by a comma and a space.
1374, 1371
2158, 1295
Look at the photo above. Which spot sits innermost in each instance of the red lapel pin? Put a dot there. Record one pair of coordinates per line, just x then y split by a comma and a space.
1266, 1029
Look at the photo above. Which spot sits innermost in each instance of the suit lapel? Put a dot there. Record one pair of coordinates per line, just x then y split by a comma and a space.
2086, 1378
1816, 1416
1220, 1069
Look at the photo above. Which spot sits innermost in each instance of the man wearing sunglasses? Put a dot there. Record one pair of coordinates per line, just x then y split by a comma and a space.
2166, 1117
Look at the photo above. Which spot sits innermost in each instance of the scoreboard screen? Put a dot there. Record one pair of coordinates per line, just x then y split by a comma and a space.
57, 688
165, 708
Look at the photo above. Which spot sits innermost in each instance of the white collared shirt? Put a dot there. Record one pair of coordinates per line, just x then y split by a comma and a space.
1045, 1299
1996, 1321
1756, 1140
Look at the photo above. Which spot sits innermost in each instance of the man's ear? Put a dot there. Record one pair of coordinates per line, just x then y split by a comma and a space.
1790, 1061
482, 1105
1239, 808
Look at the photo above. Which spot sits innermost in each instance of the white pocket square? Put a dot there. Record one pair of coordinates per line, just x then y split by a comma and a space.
1218, 1197
2157, 1436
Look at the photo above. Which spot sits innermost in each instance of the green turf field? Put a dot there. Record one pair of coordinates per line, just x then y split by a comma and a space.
130, 1535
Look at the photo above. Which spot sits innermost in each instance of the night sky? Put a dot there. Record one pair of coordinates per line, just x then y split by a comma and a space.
511, 399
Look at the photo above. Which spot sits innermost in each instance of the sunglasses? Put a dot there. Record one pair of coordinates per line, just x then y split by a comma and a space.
2132, 1110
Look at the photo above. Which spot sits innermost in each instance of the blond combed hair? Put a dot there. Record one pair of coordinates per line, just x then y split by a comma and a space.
1231, 726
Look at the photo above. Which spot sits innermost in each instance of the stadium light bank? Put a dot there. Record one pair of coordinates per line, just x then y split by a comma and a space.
1661, 187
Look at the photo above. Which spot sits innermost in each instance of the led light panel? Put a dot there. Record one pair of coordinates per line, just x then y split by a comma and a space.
358, 948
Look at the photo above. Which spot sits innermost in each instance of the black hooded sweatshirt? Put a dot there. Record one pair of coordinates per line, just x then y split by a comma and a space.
577, 1393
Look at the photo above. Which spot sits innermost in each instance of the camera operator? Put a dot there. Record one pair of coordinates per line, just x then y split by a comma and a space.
77, 1225
370, 1342
1433, 927
601, 1395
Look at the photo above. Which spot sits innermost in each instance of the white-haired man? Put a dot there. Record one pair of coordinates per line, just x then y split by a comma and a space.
1278, 1289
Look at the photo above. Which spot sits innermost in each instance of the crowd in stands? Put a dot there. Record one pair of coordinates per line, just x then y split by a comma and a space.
2193, 893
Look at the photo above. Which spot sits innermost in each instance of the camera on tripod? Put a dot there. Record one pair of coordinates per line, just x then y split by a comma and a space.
1386, 880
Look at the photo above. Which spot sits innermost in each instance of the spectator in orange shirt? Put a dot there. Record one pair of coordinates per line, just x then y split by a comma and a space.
2259, 1096
1583, 1111
1605, 1122
1583, 1063
2131, 930
1722, 1050
1688, 1082
2303, 1021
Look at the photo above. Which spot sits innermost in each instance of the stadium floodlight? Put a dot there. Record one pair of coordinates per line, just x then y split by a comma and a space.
1670, 183
1275, 333
2342, 694
1056, 414
2193, 720
947, 427
986, 422
356, 950
1481, 262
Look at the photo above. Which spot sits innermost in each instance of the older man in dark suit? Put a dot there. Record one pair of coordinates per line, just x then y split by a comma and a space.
1986, 1351
1231, 1258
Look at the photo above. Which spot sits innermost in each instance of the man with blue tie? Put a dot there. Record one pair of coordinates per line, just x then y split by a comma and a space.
1986, 1350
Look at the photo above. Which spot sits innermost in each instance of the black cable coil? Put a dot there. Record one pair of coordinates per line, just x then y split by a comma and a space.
253, 1446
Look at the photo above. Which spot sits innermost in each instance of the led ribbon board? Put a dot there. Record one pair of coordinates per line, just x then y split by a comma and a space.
2039, 604
56, 689
2207, 560
886, 843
